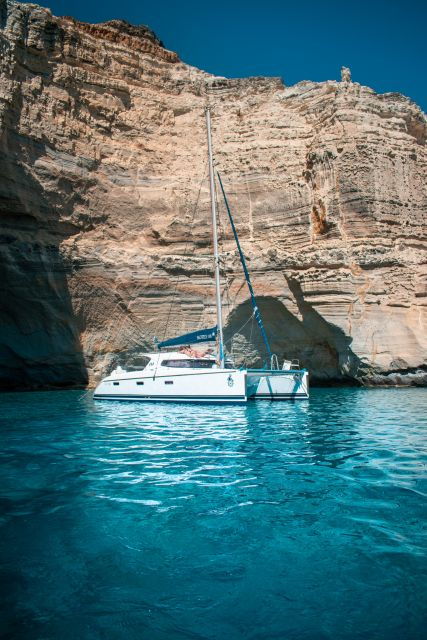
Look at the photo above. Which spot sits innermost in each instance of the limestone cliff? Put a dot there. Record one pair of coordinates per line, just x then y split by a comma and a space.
104, 209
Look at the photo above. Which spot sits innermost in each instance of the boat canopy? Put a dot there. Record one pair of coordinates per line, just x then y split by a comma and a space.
202, 335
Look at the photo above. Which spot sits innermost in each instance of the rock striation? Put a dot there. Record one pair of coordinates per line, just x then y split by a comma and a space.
104, 204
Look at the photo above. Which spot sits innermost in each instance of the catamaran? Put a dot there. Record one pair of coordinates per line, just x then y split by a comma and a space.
191, 375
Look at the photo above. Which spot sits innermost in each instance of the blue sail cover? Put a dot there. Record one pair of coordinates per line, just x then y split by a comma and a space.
203, 335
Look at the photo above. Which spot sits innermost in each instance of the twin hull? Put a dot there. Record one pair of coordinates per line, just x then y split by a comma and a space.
279, 385
213, 385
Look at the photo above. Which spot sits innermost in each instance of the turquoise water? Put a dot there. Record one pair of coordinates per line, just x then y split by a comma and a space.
269, 521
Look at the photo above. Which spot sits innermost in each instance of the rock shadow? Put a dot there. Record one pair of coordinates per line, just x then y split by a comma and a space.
39, 332
322, 347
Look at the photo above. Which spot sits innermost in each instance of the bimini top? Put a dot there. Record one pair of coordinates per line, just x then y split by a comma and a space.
202, 335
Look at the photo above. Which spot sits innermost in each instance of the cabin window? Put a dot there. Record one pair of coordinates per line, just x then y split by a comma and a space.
134, 363
139, 382
116, 384
168, 381
189, 364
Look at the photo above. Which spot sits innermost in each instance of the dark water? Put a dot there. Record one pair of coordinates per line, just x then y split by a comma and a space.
270, 521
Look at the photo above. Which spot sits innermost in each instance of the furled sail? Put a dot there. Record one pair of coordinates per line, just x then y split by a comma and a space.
203, 335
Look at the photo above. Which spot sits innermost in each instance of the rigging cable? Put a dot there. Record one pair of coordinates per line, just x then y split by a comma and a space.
189, 237
222, 239
247, 276
183, 254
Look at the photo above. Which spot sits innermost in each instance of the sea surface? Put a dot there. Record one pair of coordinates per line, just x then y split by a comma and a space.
268, 521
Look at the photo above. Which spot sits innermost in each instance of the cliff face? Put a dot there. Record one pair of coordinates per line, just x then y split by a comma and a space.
104, 209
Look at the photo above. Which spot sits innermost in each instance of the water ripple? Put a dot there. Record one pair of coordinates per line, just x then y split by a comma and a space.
270, 520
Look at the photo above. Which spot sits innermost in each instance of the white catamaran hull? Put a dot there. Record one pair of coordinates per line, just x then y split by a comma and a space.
212, 385
279, 385
188, 375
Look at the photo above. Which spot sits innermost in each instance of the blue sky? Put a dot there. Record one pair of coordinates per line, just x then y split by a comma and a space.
384, 42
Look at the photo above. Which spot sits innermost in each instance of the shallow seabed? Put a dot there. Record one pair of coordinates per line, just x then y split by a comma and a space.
271, 520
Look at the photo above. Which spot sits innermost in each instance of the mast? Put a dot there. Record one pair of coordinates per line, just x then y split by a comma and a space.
215, 240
